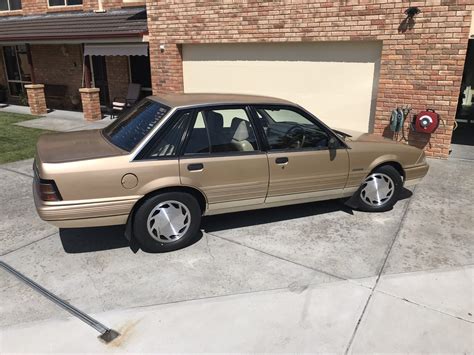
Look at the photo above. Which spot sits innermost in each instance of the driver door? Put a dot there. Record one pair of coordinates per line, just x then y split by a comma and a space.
301, 165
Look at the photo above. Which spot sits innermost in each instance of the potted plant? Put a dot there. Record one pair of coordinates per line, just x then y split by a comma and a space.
23, 99
3, 93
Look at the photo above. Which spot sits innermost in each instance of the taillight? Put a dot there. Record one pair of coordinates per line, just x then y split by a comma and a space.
48, 191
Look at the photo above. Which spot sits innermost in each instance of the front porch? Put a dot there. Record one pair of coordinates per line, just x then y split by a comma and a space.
57, 120
50, 71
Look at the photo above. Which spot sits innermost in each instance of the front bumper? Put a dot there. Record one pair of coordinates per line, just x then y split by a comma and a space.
414, 174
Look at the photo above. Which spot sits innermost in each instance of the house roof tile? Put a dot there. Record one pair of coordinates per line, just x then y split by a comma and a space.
76, 25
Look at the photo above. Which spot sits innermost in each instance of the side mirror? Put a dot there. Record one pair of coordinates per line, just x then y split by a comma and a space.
332, 143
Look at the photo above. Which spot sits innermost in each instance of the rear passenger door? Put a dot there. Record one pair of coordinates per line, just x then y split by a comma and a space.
221, 157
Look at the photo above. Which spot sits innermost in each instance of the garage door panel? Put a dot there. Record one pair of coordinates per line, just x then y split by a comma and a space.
336, 82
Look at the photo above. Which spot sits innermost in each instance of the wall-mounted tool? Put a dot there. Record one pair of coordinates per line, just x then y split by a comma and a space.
397, 119
426, 121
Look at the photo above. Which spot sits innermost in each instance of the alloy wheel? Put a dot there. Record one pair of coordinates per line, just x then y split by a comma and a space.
168, 221
377, 189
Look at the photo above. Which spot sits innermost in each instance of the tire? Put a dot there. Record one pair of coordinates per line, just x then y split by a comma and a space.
151, 226
380, 190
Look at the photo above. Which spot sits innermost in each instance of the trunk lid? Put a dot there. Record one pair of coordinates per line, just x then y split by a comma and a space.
73, 146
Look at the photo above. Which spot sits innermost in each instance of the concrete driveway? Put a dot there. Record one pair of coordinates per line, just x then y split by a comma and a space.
309, 278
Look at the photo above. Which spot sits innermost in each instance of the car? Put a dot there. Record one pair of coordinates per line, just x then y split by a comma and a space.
174, 158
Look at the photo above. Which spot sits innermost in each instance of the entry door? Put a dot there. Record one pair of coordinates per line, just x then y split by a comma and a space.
222, 158
100, 78
302, 165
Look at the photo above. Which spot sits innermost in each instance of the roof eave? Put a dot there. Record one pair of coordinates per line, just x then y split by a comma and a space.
72, 37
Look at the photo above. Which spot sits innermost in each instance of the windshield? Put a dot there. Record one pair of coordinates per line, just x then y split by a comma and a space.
128, 130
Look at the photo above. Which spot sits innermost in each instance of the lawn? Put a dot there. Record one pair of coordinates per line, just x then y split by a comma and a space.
17, 143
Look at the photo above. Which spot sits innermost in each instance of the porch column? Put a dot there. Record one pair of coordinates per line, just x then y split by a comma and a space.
36, 99
91, 103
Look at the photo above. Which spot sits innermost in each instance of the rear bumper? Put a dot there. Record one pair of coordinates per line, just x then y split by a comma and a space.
413, 175
87, 213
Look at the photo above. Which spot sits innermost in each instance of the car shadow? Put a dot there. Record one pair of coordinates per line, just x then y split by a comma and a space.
87, 240
277, 214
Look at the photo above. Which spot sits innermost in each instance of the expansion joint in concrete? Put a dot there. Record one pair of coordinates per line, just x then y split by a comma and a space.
394, 239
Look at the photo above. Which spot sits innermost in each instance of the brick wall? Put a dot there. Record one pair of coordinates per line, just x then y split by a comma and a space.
59, 65
420, 66
91, 104
36, 99
62, 65
117, 76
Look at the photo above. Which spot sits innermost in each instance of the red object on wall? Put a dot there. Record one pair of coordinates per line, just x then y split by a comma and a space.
426, 121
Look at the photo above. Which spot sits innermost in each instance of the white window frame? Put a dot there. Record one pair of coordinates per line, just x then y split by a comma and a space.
63, 5
10, 7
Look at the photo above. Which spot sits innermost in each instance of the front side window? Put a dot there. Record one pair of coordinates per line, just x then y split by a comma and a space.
64, 2
288, 129
221, 131
128, 130
10, 5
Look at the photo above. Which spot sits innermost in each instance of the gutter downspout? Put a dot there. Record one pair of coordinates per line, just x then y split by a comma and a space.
101, 6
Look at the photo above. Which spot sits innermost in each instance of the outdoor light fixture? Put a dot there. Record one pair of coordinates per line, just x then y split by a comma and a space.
409, 22
412, 11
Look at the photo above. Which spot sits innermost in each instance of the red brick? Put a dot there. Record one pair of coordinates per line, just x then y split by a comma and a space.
416, 64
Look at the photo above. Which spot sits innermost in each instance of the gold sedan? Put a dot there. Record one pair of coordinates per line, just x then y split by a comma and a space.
174, 158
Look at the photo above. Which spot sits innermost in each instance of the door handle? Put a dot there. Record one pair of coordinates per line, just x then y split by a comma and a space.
195, 167
281, 160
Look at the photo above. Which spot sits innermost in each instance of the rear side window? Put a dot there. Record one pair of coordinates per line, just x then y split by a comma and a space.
168, 143
128, 130
198, 142
224, 130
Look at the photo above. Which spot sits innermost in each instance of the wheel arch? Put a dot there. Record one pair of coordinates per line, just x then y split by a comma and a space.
199, 195
390, 160
396, 165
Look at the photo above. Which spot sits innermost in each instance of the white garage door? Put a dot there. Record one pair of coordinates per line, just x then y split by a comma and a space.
337, 82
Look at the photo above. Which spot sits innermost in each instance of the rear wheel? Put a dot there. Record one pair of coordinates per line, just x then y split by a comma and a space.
380, 190
167, 222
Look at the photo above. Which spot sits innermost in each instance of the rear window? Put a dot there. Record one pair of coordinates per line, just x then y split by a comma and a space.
128, 130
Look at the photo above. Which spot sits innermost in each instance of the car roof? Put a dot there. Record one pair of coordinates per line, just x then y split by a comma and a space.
202, 99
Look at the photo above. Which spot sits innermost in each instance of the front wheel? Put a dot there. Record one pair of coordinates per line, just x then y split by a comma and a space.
380, 190
167, 222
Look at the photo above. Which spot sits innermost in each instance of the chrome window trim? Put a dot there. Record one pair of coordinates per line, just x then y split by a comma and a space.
149, 136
